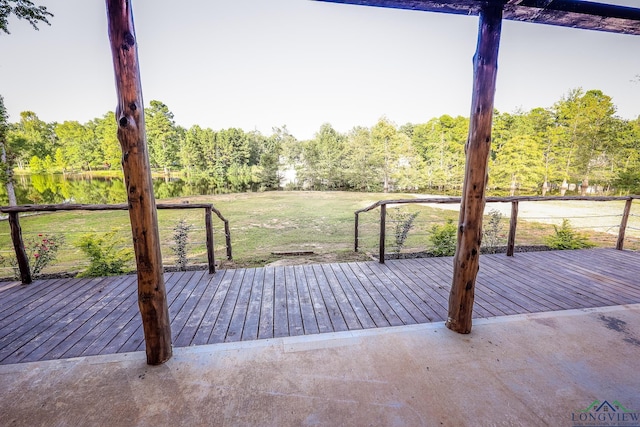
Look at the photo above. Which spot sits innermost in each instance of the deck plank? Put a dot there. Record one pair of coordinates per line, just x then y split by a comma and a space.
265, 327
36, 321
116, 298
131, 338
374, 312
345, 304
294, 313
358, 305
240, 311
184, 304
382, 302
75, 322
280, 315
319, 307
207, 290
203, 333
221, 327
62, 318
337, 320
252, 322
307, 309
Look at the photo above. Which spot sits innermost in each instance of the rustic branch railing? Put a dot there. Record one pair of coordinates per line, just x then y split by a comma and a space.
514, 200
21, 255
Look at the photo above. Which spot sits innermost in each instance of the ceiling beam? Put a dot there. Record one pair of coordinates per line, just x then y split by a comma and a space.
566, 13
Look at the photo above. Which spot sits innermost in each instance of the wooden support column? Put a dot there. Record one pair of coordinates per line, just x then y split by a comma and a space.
18, 247
466, 259
152, 298
623, 224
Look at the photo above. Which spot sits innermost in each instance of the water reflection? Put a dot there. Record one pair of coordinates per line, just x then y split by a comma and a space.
53, 189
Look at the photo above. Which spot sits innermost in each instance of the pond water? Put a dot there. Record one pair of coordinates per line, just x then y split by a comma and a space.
87, 189
53, 189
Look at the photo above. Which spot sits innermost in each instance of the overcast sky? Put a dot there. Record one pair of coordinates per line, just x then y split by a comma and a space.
256, 64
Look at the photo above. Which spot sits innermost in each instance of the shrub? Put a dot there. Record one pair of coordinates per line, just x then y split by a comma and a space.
41, 251
492, 231
404, 224
443, 239
106, 254
565, 237
180, 239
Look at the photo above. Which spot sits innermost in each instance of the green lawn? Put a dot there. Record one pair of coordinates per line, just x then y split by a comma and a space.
262, 223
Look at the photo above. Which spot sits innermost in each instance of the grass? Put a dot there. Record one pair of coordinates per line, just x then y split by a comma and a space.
262, 223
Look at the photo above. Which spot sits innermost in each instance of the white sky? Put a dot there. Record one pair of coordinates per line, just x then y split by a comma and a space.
256, 64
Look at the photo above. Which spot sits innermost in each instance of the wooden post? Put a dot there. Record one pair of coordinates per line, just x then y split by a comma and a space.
466, 259
513, 223
227, 239
209, 231
383, 220
623, 224
355, 238
152, 298
18, 247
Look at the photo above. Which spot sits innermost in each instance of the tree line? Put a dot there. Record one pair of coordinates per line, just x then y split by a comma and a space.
578, 144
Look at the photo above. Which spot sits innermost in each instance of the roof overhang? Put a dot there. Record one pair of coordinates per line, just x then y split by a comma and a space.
567, 13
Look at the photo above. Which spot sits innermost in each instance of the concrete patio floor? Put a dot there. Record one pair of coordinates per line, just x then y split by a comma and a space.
529, 370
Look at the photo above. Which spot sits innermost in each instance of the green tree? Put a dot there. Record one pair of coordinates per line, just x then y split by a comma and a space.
104, 131
7, 155
587, 132
38, 137
22, 9
269, 172
162, 136
322, 160
383, 135
517, 159
440, 143
192, 155
79, 146
547, 134
363, 174
627, 178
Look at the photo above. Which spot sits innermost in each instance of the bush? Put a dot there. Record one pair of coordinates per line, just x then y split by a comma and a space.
492, 232
443, 239
41, 251
566, 237
404, 224
106, 254
180, 239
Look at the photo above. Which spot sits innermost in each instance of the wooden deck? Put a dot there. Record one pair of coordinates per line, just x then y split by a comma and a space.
53, 319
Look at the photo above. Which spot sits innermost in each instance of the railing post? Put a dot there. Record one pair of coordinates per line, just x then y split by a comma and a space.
355, 240
513, 222
383, 219
18, 246
227, 236
209, 232
623, 224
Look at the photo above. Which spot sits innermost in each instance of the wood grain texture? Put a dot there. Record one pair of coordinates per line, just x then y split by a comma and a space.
566, 13
467, 256
18, 247
152, 298
63, 318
